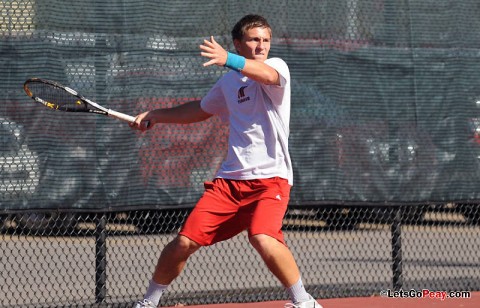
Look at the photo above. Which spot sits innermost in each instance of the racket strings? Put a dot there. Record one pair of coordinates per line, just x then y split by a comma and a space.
56, 97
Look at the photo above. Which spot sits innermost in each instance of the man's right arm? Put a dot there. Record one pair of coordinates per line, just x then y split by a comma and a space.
183, 114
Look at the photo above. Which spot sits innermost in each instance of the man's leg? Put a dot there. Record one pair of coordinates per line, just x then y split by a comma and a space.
281, 263
173, 259
278, 258
170, 264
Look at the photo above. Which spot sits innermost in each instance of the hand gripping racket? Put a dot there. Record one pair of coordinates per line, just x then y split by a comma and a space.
58, 97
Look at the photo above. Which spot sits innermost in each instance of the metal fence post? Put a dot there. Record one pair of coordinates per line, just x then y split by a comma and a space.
100, 258
397, 249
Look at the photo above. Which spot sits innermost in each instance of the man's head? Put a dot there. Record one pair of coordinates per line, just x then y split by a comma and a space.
251, 37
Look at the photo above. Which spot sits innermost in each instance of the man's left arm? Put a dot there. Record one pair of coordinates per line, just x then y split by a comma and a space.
254, 70
261, 72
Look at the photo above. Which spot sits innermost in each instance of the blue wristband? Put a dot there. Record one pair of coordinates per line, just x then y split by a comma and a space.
235, 62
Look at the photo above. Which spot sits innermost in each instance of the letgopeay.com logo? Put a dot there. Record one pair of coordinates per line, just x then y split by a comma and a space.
241, 95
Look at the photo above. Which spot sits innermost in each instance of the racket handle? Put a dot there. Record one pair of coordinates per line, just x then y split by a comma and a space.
121, 116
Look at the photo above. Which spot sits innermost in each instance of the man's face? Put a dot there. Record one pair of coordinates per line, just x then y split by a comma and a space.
255, 44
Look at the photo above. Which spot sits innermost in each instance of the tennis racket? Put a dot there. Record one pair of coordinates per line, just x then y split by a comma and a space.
59, 97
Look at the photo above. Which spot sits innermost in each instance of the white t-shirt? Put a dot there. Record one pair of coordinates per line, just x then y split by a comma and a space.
259, 117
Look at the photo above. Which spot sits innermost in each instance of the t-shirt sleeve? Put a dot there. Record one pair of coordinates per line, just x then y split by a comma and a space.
214, 102
276, 92
282, 68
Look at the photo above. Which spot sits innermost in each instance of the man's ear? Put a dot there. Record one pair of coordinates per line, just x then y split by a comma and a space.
236, 44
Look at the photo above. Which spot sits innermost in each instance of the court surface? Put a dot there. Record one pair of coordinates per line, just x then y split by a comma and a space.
369, 302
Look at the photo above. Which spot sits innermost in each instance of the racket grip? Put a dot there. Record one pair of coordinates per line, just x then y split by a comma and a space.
121, 116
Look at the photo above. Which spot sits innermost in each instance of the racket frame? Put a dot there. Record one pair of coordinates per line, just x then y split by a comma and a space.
98, 108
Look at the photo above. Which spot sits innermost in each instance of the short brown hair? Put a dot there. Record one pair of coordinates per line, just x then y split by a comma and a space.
248, 22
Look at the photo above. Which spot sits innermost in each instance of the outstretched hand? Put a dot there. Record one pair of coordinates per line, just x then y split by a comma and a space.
213, 51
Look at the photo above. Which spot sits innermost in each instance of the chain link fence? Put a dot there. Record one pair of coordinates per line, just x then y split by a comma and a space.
53, 259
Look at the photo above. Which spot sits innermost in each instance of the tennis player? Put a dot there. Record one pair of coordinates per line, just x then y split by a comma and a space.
252, 187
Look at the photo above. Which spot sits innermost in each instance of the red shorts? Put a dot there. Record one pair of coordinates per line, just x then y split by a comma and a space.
229, 207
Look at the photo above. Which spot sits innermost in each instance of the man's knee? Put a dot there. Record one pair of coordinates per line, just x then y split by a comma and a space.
262, 242
182, 245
